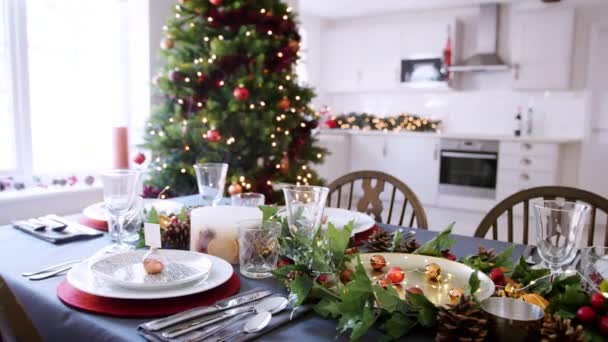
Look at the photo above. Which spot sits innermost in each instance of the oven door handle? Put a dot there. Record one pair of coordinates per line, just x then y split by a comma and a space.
469, 155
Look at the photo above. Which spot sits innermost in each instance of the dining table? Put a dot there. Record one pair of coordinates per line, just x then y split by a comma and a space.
54, 321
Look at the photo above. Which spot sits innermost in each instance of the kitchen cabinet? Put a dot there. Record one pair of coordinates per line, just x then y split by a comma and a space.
343, 59
337, 161
542, 44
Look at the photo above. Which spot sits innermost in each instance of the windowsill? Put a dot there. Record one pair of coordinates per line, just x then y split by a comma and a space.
37, 193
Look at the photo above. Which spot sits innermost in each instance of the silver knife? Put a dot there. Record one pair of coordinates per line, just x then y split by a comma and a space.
205, 321
241, 299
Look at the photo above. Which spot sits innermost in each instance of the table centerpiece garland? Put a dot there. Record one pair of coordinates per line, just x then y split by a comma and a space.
327, 272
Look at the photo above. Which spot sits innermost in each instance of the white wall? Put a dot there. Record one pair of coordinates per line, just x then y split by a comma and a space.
483, 102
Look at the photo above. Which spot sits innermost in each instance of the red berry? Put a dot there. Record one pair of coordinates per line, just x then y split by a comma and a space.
597, 301
585, 314
603, 325
395, 275
384, 282
216, 2
139, 158
213, 135
378, 262
241, 93
322, 278
448, 255
497, 276
284, 262
346, 276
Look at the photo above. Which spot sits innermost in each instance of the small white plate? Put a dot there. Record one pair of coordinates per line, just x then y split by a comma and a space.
127, 269
81, 277
340, 217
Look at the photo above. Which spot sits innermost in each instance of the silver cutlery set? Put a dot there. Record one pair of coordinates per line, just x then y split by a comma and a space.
258, 305
50, 271
51, 222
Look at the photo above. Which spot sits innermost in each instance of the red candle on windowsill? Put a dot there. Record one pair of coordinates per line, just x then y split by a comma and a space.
121, 148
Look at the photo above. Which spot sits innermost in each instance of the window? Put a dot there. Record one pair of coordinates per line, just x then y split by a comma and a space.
70, 89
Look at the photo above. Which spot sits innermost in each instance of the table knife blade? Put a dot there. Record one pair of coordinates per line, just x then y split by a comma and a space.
243, 298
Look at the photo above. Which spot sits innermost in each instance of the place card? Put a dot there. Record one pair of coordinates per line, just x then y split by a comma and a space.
152, 235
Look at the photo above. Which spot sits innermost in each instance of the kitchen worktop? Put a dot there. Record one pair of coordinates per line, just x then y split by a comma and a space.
447, 135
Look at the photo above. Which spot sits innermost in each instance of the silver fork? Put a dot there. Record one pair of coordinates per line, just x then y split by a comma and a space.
50, 268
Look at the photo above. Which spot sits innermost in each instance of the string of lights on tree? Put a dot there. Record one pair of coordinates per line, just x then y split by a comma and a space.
371, 122
228, 93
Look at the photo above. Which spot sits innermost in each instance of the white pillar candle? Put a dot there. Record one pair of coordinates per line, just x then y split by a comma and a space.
214, 230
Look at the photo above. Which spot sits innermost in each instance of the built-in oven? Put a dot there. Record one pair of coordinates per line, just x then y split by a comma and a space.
468, 168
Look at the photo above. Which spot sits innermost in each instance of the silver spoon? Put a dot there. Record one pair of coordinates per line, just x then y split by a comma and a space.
253, 325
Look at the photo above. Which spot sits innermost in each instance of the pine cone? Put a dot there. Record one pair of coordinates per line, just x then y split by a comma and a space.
407, 246
380, 241
464, 321
559, 329
485, 253
177, 236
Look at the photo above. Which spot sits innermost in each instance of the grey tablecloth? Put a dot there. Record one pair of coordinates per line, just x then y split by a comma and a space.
54, 321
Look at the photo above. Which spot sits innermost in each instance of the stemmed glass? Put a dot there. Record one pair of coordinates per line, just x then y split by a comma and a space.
559, 225
304, 205
119, 193
211, 179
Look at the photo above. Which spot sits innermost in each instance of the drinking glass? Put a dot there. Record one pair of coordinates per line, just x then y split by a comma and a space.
559, 225
304, 206
258, 247
132, 223
211, 179
248, 199
119, 193
594, 265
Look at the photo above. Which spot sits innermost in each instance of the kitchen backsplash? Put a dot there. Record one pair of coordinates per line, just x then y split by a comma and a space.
556, 114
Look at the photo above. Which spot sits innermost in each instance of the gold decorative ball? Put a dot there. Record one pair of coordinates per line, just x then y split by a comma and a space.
432, 272
235, 188
455, 294
167, 43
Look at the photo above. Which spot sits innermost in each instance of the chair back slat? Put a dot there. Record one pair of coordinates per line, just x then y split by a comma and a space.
373, 185
350, 195
490, 221
412, 219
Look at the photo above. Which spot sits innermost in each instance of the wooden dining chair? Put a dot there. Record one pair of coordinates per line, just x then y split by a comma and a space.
373, 184
15, 324
597, 203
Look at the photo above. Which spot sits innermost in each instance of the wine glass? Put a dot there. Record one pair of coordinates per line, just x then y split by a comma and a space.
211, 179
248, 199
559, 225
304, 205
119, 194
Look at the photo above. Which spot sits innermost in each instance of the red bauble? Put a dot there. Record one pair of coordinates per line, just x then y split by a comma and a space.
284, 164
176, 76
331, 123
216, 2
213, 135
395, 275
384, 282
585, 314
497, 275
241, 93
201, 78
284, 103
139, 158
346, 276
284, 262
597, 301
235, 188
603, 325
378, 262
448, 255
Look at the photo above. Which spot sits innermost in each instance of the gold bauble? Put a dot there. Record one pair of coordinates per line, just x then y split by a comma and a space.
164, 221
167, 43
432, 272
455, 294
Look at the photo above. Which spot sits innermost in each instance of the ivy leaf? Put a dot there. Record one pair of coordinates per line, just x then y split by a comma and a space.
153, 216
397, 325
360, 323
327, 308
268, 211
397, 238
182, 215
473, 283
299, 289
338, 240
440, 243
523, 274
572, 297
503, 259
389, 300
427, 311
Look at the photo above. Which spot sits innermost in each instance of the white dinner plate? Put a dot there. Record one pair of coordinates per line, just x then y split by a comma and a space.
454, 275
340, 217
127, 269
81, 277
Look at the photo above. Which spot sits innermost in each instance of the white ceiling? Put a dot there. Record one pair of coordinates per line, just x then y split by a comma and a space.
335, 9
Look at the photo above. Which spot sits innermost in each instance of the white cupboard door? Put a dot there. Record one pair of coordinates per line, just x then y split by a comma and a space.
337, 162
542, 41
415, 161
343, 60
368, 152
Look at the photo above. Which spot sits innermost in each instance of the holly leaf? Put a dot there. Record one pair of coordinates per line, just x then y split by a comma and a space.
440, 243
397, 238
503, 259
523, 274
338, 240
153, 216
572, 298
327, 308
299, 289
427, 311
268, 211
389, 300
396, 326
473, 283
182, 215
359, 323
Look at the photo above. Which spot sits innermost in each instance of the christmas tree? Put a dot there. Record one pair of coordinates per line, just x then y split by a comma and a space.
228, 92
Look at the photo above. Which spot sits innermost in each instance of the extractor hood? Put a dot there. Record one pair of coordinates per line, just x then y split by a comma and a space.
486, 58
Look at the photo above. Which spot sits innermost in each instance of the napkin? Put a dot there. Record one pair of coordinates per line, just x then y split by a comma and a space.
277, 320
73, 232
